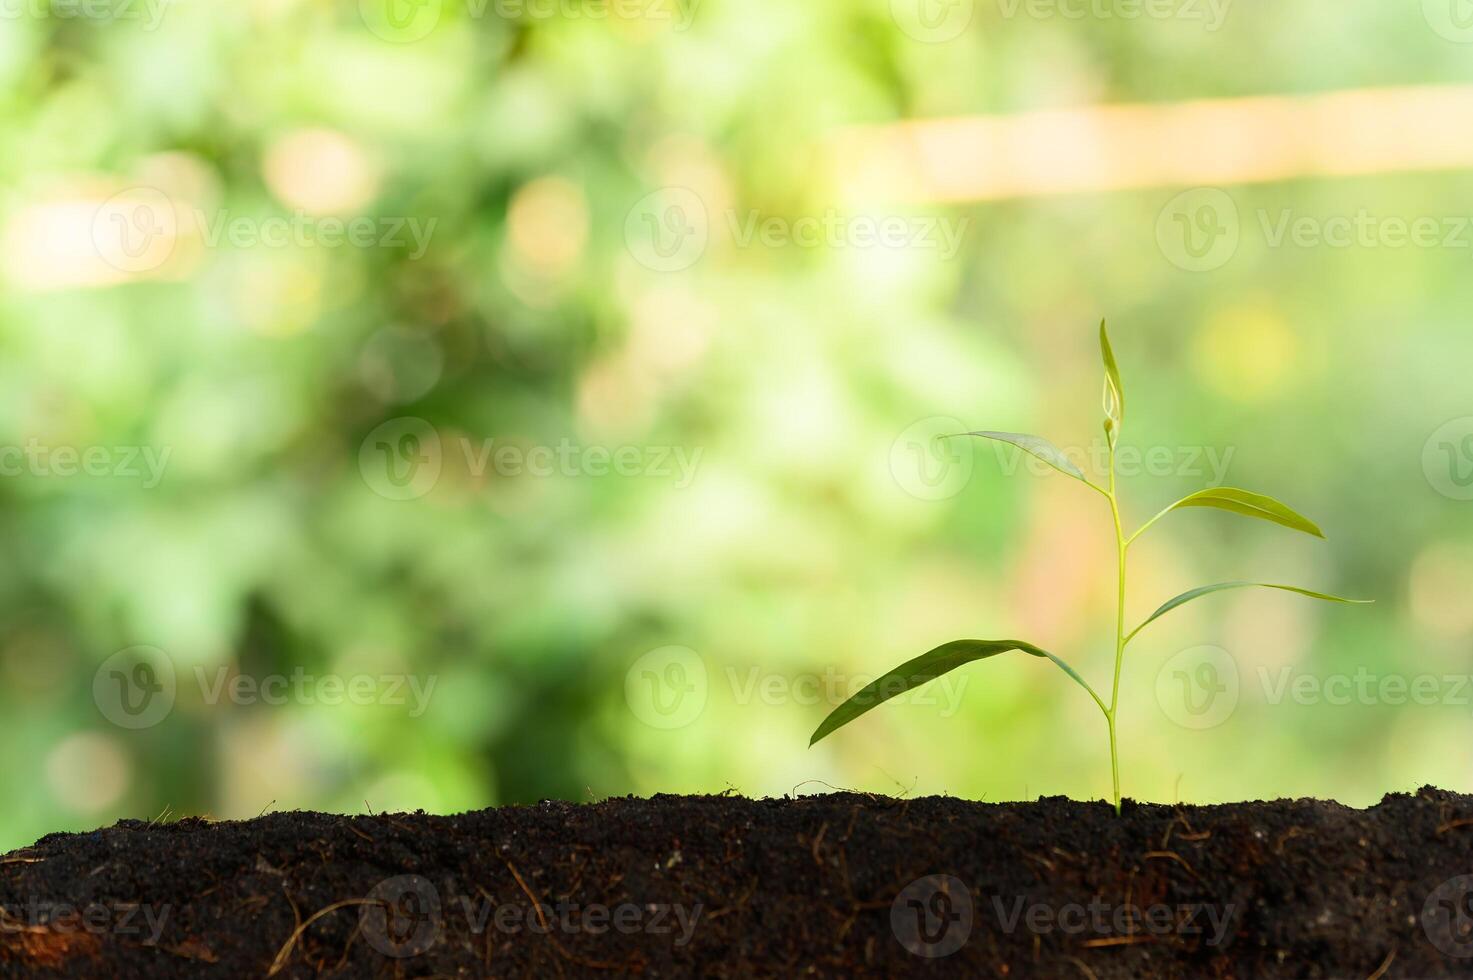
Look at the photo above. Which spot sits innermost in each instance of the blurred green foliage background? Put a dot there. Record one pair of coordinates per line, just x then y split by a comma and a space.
394, 461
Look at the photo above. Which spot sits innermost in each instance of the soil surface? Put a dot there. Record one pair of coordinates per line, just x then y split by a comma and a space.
831, 886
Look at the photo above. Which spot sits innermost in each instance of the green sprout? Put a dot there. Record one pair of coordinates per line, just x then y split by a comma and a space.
950, 656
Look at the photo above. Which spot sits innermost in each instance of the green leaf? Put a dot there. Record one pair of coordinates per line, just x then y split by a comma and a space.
1114, 391
1250, 505
1075, 675
1187, 597
1035, 446
925, 668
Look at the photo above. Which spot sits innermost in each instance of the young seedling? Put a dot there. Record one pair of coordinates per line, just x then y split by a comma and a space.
950, 656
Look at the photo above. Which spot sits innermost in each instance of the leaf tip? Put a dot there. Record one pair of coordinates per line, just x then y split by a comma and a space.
1114, 395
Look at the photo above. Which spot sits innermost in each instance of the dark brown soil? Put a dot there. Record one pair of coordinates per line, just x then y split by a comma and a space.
840, 886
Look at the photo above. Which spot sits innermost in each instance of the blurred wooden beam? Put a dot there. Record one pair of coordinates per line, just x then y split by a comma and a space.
1118, 147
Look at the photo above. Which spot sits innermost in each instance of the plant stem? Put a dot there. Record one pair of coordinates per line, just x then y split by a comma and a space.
1120, 548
